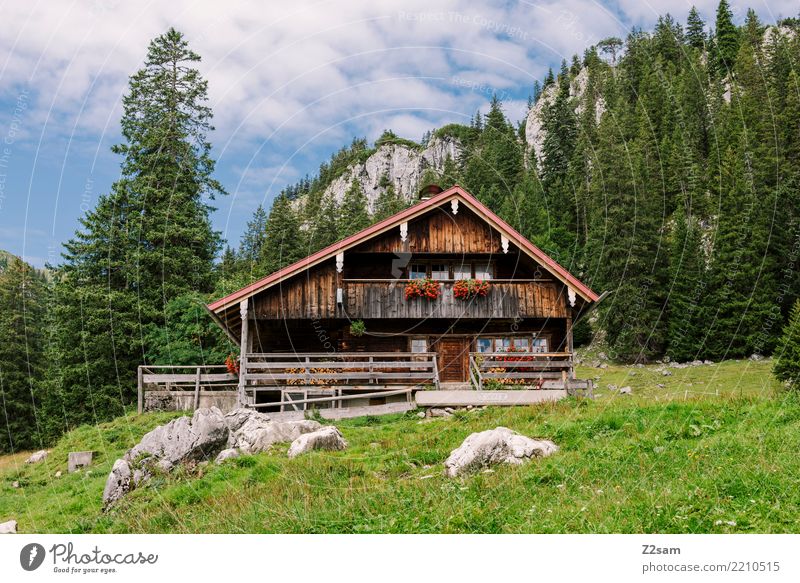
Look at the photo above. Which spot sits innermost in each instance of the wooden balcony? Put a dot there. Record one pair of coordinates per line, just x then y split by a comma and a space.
507, 298
342, 369
525, 370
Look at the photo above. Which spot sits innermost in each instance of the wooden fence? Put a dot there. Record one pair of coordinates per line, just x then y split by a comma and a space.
524, 370
183, 378
341, 369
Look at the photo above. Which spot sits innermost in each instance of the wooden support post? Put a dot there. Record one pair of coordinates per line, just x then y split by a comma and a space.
570, 349
197, 389
243, 345
140, 388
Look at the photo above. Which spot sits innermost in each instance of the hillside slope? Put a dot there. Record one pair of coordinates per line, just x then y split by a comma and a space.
671, 458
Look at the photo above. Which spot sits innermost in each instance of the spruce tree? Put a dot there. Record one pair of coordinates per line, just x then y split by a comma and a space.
495, 164
787, 353
353, 213
388, 203
686, 331
251, 247
742, 275
695, 30
191, 339
324, 230
146, 242
284, 242
22, 311
726, 38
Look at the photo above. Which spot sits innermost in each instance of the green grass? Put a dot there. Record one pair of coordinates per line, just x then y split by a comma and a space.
661, 460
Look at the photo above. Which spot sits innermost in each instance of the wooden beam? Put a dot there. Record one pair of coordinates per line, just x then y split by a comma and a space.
197, 389
222, 325
140, 391
244, 336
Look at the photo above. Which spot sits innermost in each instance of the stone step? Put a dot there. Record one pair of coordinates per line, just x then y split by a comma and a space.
451, 386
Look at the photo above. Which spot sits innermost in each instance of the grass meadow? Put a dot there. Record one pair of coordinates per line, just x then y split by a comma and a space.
707, 449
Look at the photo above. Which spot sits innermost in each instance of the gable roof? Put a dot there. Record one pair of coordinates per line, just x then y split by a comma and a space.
456, 192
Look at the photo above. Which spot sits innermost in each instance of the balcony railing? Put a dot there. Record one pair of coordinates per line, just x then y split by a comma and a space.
507, 298
341, 370
523, 370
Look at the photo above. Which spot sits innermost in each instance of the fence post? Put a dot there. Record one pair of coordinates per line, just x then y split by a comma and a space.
243, 353
140, 390
197, 389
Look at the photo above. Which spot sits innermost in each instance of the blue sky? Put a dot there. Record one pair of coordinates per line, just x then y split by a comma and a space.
289, 83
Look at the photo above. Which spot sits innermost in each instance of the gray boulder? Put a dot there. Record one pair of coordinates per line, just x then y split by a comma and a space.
495, 446
37, 456
327, 438
9, 527
226, 454
196, 439
625, 390
79, 459
258, 434
438, 412
184, 439
119, 482
238, 417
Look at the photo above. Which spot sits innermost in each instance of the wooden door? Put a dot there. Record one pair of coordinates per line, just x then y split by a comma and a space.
452, 354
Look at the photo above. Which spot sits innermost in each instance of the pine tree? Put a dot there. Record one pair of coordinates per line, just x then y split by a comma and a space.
741, 275
560, 125
353, 213
686, 331
284, 242
495, 163
388, 203
146, 242
192, 337
727, 38
787, 353
695, 30
251, 247
22, 310
450, 174
324, 230
753, 29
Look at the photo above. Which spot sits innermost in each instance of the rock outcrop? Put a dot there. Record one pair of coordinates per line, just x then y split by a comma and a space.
403, 166
534, 123
38, 456
119, 482
495, 446
227, 454
184, 439
206, 435
258, 433
327, 438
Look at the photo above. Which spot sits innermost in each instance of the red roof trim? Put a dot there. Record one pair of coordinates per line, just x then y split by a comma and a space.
396, 219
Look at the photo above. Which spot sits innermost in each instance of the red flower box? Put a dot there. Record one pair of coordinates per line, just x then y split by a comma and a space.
423, 288
466, 289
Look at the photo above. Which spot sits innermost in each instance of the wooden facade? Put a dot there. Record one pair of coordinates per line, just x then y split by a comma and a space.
308, 308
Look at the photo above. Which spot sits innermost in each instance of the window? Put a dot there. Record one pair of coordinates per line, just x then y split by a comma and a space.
514, 343
462, 271
521, 344
419, 345
502, 344
483, 271
484, 344
417, 271
440, 271
539, 345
